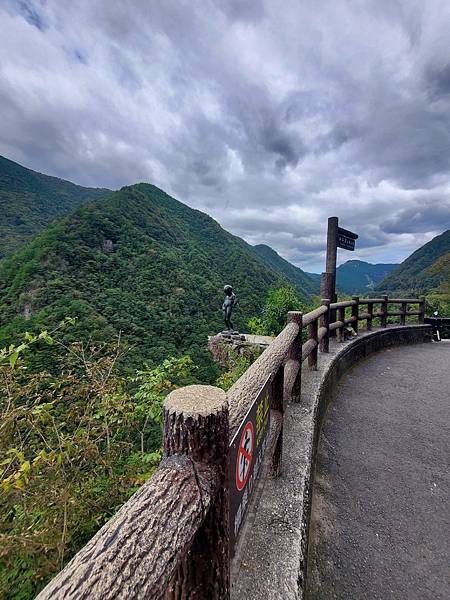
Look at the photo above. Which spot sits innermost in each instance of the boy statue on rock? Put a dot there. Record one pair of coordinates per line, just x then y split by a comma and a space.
229, 302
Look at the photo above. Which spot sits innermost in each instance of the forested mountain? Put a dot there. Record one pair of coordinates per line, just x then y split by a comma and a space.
30, 200
423, 270
359, 277
138, 262
298, 278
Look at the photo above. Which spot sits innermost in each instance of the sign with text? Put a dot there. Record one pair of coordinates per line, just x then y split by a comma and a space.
247, 450
346, 239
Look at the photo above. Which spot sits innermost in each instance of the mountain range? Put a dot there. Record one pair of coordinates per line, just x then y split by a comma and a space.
360, 277
135, 262
426, 269
140, 264
304, 284
30, 200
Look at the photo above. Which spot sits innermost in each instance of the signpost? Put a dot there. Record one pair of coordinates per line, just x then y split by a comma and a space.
247, 450
346, 239
336, 237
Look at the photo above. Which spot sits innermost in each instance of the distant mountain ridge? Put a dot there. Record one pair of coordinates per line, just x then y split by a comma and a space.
304, 284
360, 277
30, 200
422, 270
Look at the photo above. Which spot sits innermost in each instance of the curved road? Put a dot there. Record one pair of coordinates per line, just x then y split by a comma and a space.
380, 526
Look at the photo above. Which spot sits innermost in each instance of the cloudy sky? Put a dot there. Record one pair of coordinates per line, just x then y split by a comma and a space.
270, 115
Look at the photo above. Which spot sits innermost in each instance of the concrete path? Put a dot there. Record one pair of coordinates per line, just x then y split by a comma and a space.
380, 521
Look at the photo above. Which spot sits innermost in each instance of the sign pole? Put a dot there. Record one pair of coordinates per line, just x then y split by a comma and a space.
337, 237
332, 256
328, 278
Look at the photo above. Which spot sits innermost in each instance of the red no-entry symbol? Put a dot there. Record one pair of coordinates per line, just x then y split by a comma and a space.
244, 456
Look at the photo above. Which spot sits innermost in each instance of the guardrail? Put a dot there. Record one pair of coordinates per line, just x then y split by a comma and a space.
175, 538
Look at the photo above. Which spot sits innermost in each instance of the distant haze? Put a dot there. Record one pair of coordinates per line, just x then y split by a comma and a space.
269, 115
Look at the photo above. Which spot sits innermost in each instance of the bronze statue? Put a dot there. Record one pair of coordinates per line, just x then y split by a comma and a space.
227, 307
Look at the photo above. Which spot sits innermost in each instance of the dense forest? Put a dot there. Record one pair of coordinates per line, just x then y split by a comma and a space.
30, 200
138, 263
421, 272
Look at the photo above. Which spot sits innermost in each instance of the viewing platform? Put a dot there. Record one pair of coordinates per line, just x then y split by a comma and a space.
227, 514
380, 511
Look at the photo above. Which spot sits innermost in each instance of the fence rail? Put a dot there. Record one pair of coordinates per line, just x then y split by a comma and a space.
171, 539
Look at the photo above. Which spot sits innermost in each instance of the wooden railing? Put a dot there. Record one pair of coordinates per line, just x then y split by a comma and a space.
171, 540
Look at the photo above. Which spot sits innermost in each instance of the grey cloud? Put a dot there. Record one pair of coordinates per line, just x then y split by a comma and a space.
31, 14
438, 80
424, 215
269, 115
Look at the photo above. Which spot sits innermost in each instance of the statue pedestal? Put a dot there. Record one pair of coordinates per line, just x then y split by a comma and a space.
226, 343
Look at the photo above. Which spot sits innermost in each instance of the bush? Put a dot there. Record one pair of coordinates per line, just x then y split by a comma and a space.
75, 444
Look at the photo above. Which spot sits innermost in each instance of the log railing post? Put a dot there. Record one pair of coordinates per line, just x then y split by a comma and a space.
355, 312
196, 425
327, 288
421, 318
277, 403
341, 317
403, 310
294, 358
325, 322
370, 317
384, 311
312, 335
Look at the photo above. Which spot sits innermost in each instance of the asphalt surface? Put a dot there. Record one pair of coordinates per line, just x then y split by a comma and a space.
380, 525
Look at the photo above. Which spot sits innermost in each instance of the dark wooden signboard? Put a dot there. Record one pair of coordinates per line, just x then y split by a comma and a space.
346, 239
247, 450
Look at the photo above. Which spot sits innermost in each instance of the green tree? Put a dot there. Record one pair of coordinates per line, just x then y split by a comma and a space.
274, 313
75, 443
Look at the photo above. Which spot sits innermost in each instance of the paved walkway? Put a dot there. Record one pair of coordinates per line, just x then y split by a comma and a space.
380, 519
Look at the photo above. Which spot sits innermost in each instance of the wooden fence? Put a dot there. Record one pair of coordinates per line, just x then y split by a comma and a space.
171, 539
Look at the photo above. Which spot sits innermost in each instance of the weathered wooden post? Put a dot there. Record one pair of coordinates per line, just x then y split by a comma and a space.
355, 312
370, 316
277, 403
341, 317
312, 334
328, 278
384, 311
196, 425
325, 322
421, 318
403, 309
294, 360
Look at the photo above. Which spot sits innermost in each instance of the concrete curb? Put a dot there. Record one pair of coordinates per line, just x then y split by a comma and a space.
273, 560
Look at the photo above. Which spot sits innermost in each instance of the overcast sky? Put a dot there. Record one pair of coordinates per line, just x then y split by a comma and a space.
269, 115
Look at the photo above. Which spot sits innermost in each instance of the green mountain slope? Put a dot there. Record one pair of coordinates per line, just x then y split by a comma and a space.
415, 273
359, 277
298, 278
138, 262
30, 200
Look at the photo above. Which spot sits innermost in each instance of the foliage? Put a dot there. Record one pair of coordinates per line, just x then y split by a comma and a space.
137, 263
74, 445
237, 365
274, 313
417, 274
30, 200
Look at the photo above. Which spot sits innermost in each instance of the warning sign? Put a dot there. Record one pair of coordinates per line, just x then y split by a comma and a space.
246, 454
